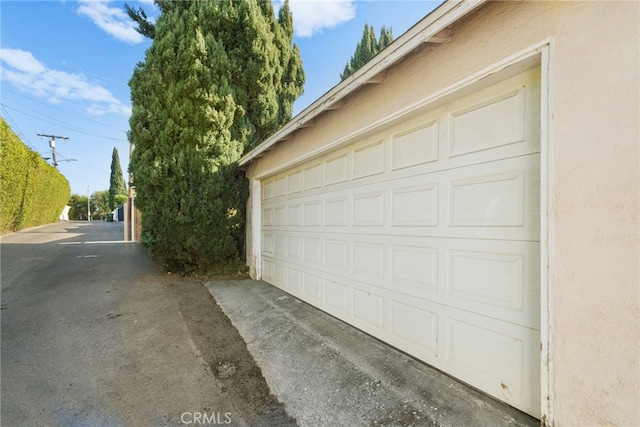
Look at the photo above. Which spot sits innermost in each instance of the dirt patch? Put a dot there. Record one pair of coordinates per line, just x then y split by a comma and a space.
226, 354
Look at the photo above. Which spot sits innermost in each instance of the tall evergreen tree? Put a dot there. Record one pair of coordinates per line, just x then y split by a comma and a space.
117, 184
385, 39
145, 27
219, 77
367, 48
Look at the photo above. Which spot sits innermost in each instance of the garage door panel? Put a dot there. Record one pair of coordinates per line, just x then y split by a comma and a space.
414, 328
280, 186
495, 116
280, 275
511, 233
336, 211
312, 177
492, 200
368, 209
485, 353
312, 249
415, 206
279, 245
497, 194
496, 200
499, 358
267, 190
368, 160
414, 266
312, 213
267, 217
442, 165
368, 259
294, 248
313, 288
494, 122
495, 278
268, 270
279, 215
502, 276
423, 191
336, 254
427, 236
336, 170
294, 215
294, 182
337, 298
475, 348
374, 182
294, 280
415, 147
368, 309
267, 244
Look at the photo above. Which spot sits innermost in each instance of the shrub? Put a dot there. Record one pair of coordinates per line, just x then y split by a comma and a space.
32, 192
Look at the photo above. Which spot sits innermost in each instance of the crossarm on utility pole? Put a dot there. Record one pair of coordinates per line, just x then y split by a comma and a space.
52, 144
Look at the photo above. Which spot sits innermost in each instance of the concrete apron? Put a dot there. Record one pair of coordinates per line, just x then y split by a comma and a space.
329, 373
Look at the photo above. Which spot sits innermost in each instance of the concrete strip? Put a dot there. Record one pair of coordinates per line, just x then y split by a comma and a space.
329, 373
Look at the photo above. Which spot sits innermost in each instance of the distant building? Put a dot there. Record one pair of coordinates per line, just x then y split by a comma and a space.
64, 216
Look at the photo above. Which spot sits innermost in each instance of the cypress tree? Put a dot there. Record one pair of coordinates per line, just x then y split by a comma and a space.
386, 37
116, 182
219, 77
367, 48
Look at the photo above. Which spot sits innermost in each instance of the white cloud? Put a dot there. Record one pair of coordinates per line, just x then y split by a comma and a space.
29, 75
312, 16
113, 20
100, 110
22, 61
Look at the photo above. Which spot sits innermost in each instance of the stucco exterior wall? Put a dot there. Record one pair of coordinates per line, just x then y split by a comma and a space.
594, 179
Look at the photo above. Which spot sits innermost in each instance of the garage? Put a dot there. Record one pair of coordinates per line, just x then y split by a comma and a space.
426, 235
470, 196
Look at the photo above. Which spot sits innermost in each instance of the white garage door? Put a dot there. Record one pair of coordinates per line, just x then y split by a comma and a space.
427, 236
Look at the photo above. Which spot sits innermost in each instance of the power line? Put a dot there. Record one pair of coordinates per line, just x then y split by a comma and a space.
61, 124
93, 170
101, 173
55, 108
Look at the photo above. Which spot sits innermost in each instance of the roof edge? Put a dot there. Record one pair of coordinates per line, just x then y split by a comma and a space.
424, 30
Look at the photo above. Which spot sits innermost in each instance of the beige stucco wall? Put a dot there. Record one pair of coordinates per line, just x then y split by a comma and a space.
594, 179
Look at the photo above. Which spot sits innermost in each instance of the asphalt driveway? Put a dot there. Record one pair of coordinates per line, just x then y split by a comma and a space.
95, 334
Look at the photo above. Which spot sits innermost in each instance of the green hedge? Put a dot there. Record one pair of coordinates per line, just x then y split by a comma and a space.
32, 192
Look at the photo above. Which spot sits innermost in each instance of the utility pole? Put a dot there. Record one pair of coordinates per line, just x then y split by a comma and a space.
52, 144
88, 205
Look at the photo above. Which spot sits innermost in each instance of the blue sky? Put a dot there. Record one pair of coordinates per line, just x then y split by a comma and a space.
64, 68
